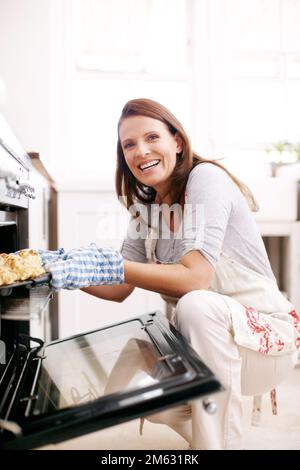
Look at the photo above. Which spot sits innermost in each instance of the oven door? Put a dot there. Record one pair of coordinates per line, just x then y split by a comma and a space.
87, 382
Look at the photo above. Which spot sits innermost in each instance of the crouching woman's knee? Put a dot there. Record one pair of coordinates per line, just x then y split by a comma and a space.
198, 309
193, 303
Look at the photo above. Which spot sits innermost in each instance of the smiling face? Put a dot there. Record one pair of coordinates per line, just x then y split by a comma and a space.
150, 151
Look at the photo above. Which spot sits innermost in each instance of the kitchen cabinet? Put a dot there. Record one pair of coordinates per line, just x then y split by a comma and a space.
38, 237
279, 224
38, 212
282, 240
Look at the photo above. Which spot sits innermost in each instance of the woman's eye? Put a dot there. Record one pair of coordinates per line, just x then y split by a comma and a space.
153, 137
128, 145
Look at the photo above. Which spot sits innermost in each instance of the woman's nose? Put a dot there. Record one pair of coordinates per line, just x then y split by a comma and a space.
142, 149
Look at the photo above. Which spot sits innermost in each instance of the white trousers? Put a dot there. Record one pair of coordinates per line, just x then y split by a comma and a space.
204, 318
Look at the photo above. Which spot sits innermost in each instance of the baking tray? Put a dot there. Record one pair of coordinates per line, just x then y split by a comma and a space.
43, 279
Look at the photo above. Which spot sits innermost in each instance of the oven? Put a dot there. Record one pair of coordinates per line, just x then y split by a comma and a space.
51, 391
17, 305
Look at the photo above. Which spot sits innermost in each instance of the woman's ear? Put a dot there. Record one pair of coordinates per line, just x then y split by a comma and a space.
179, 142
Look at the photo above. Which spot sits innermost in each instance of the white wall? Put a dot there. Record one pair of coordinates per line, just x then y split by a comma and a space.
31, 71
37, 66
25, 68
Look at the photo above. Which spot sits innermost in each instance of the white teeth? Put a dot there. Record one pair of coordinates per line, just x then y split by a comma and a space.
149, 164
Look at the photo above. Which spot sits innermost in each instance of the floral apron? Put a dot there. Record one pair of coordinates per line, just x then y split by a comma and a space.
270, 324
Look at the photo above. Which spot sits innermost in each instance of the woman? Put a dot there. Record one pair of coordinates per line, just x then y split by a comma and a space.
206, 258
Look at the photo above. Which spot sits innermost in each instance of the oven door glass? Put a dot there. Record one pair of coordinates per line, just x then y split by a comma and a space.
101, 378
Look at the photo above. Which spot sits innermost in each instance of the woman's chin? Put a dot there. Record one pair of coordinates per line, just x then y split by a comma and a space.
153, 183
152, 180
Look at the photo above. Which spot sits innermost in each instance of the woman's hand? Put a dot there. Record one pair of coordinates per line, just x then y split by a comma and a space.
87, 266
50, 256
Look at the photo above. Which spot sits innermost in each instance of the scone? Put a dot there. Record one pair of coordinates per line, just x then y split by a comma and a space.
20, 267
6, 275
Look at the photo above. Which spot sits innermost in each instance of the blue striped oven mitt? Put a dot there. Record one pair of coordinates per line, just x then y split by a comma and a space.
83, 267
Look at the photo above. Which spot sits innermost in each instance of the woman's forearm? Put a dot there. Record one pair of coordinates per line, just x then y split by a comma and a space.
167, 279
193, 272
116, 293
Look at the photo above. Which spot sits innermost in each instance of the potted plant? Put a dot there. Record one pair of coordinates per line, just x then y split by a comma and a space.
282, 153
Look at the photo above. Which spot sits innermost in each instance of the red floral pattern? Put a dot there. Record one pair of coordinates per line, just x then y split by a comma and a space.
260, 326
296, 319
257, 326
280, 344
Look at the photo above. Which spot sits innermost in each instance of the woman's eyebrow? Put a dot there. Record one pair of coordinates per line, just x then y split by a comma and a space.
129, 139
126, 140
151, 132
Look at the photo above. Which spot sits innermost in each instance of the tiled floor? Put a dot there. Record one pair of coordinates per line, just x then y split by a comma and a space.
275, 432
281, 431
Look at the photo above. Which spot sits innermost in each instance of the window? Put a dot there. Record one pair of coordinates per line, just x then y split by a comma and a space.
143, 36
263, 91
228, 69
123, 50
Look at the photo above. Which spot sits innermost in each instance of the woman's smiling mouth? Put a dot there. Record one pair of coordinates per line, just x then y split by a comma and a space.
148, 165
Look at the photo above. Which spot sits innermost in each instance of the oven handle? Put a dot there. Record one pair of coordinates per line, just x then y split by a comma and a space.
11, 426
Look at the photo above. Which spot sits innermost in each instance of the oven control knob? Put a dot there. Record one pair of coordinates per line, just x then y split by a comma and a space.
12, 183
209, 406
